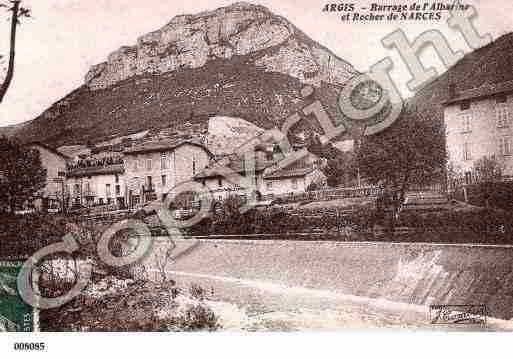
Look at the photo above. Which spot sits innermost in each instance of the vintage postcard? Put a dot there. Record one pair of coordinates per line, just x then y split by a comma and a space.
266, 166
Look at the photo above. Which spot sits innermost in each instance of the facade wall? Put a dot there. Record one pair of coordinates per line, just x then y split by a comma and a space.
482, 133
294, 184
177, 165
93, 189
317, 177
284, 185
222, 188
53, 164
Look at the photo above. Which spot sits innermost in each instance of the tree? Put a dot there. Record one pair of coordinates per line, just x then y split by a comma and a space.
21, 174
340, 166
17, 13
487, 170
411, 151
341, 169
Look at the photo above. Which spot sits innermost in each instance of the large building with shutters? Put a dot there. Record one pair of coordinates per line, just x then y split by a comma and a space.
100, 183
153, 168
479, 123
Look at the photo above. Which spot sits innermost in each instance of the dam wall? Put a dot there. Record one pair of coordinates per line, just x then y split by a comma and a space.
417, 273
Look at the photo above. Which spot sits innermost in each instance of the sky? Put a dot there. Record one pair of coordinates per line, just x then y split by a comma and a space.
57, 46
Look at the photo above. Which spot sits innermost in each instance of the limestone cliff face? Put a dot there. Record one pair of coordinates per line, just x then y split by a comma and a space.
239, 61
191, 41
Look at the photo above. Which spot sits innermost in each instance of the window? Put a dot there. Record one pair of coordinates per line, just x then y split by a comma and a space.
116, 178
135, 200
465, 105
505, 146
107, 190
219, 182
193, 166
148, 164
501, 99
466, 123
118, 190
77, 189
88, 187
269, 184
141, 164
135, 166
502, 116
294, 183
164, 178
468, 177
163, 161
466, 152
149, 183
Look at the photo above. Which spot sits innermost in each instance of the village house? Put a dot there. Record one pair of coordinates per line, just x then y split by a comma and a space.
153, 168
96, 181
221, 187
296, 178
268, 178
50, 197
479, 123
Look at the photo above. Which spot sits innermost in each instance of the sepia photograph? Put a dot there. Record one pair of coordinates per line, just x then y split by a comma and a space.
255, 167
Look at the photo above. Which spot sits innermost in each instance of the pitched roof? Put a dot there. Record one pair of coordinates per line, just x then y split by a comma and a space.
486, 90
98, 170
290, 172
162, 145
236, 164
74, 150
48, 148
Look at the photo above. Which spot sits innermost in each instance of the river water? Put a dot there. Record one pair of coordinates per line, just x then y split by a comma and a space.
251, 305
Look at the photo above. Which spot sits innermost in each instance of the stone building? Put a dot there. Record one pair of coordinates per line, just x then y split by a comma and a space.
153, 168
268, 178
96, 182
50, 197
479, 123
221, 186
294, 179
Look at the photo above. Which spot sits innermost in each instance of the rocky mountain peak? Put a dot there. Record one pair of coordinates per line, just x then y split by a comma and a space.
240, 61
241, 29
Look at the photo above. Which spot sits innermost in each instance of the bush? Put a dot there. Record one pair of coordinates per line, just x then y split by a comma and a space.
196, 291
197, 318
278, 220
54, 280
481, 221
492, 194
23, 235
